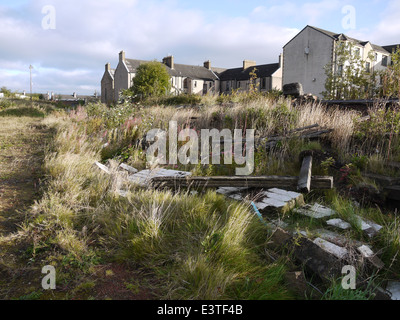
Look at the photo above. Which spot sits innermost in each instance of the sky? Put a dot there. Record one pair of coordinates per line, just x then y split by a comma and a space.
69, 42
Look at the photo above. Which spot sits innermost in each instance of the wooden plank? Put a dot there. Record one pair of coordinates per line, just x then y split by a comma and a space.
285, 182
304, 184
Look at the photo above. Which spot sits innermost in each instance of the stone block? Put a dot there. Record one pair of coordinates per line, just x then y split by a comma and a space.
337, 251
339, 223
316, 211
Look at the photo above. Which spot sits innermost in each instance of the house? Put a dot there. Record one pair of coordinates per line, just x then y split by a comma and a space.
184, 78
107, 85
191, 79
266, 77
306, 55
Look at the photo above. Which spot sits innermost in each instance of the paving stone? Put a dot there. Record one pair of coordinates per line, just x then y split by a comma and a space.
143, 178
316, 211
394, 288
370, 256
317, 260
279, 199
102, 167
337, 251
339, 223
130, 169
337, 238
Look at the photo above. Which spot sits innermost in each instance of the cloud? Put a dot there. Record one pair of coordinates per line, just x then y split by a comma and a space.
90, 33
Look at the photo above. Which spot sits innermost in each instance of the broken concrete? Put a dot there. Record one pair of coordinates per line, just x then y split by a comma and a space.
130, 169
368, 255
337, 251
394, 289
339, 223
317, 260
278, 199
143, 178
316, 211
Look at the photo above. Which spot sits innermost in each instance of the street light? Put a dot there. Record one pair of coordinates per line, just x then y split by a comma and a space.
30, 71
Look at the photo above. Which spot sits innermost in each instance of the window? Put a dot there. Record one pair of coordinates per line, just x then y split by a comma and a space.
340, 70
238, 84
185, 83
357, 52
263, 83
385, 61
195, 84
376, 57
368, 67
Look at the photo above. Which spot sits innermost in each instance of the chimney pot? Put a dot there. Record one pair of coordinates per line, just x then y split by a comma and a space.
248, 64
169, 61
122, 56
207, 65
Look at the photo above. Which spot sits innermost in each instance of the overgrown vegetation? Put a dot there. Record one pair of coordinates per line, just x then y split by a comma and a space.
193, 245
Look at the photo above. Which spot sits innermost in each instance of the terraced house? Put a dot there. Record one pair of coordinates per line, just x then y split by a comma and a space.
306, 55
192, 79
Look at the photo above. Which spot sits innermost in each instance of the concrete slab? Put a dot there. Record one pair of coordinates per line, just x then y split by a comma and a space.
143, 178
394, 288
339, 223
130, 169
103, 167
337, 251
315, 211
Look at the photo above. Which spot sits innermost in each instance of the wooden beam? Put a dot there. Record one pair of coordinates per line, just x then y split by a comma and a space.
304, 184
285, 182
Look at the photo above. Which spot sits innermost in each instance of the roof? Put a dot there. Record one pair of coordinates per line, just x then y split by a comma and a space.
133, 64
182, 70
341, 36
391, 48
263, 71
193, 72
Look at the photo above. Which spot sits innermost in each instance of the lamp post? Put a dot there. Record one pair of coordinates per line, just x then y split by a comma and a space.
30, 71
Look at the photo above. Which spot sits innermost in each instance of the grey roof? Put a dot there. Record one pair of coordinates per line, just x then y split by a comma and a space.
193, 72
133, 64
391, 48
262, 71
341, 36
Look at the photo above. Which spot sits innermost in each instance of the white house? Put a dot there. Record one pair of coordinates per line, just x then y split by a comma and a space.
306, 55
267, 77
191, 79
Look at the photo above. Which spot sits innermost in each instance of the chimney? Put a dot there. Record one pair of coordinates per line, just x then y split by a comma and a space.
169, 61
74, 95
122, 56
207, 65
108, 67
248, 64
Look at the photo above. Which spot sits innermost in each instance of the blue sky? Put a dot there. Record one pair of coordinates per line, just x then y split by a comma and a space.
88, 33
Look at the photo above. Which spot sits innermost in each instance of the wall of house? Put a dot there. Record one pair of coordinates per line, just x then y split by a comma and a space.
308, 69
123, 79
107, 88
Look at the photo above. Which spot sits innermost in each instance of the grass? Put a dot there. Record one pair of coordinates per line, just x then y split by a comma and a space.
192, 246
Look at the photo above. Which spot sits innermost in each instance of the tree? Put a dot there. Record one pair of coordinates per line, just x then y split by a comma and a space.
7, 93
151, 80
349, 76
391, 77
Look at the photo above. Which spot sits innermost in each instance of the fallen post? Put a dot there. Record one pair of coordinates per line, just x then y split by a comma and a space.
285, 182
304, 184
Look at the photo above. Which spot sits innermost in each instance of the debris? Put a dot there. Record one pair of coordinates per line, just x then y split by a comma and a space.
144, 178
317, 260
337, 251
394, 288
304, 184
370, 256
279, 239
393, 192
278, 199
103, 167
128, 168
339, 223
316, 211
284, 182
